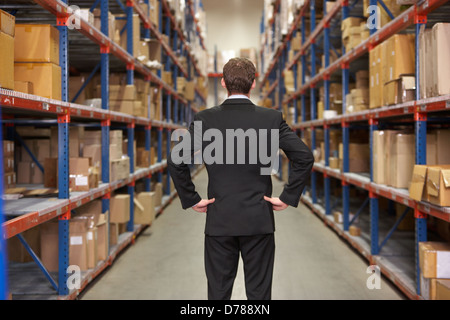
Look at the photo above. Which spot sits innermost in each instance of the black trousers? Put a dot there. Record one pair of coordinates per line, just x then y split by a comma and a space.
222, 259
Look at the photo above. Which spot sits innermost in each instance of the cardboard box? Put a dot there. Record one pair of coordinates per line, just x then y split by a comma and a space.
102, 237
119, 169
434, 259
121, 23
158, 194
36, 43
399, 57
92, 250
6, 61
8, 164
8, 148
401, 159
143, 158
46, 78
359, 157
113, 234
417, 185
9, 180
375, 81
120, 208
49, 245
442, 149
119, 92
379, 156
78, 250
189, 91
338, 218
334, 162
23, 172
112, 24
154, 50
167, 77
438, 185
94, 152
51, 173
123, 106
75, 84
92, 137
144, 209
154, 12
399, 90
354, 231
443, 289
80, 177
24, 86
37, 176
434, 59
7, 23
440, 61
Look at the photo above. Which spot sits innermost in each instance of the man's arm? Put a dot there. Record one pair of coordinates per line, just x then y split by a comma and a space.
181, 174
302, 161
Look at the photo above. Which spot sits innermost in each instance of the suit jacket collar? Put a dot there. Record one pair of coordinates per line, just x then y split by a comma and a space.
237, 102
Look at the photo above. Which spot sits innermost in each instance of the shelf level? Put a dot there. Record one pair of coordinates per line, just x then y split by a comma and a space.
395, 194
49, 209
435, 104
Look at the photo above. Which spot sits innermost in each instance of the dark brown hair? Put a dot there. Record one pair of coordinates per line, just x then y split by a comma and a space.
239, 74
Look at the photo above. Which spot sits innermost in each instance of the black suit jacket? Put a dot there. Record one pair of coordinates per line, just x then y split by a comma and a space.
239, 189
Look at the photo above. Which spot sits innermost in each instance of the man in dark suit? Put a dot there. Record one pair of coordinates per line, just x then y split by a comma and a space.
240, 205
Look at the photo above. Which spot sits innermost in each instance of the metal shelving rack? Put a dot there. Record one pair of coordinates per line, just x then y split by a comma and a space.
414, 16
178, 111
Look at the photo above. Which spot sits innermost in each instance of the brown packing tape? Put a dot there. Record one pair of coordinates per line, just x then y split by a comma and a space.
417, 177
446, 178
138, 204
432, 188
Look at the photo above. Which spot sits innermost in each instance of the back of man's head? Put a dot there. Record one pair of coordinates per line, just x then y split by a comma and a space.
239, 75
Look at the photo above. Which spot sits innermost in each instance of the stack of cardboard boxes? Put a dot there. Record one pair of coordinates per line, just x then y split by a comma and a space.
87, 238
351, 32
7, 32
88, 230
9, 175
358, 98
335, 93
118, 159
393, 157
430, 182
434, 259
358, 157
36, 59
144, 208
155, 103
391, 68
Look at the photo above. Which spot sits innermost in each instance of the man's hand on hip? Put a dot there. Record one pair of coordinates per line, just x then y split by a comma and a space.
202, 206
277, 204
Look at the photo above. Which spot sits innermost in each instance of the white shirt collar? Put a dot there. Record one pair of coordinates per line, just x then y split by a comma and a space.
238, 96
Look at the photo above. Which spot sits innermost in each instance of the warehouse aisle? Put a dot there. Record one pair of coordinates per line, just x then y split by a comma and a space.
166, 262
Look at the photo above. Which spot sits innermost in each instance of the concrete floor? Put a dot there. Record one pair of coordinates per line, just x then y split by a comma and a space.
166, 261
